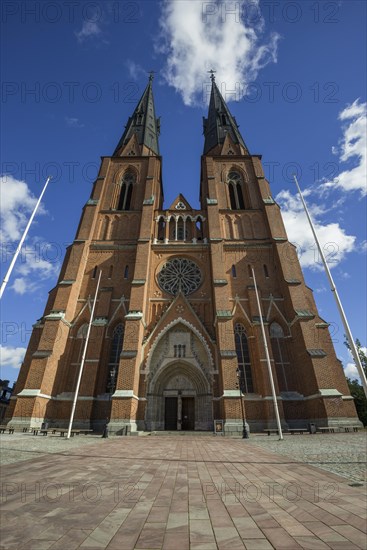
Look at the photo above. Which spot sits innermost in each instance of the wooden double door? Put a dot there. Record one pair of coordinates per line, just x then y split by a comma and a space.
171, 415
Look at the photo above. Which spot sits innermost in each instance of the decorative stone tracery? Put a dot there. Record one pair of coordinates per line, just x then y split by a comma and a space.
180, 275
178, 228
188, 374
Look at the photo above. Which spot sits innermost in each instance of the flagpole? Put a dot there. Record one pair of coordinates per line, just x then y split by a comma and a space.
333, 289
268, 359
83, 358
8, 273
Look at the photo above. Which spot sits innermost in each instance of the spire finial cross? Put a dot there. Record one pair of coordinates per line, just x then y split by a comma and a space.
212, 77
151, 75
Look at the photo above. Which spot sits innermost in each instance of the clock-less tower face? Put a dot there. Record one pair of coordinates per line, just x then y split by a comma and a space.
180, 274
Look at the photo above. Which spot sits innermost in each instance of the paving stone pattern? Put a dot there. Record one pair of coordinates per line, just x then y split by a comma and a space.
343, 454
177, 493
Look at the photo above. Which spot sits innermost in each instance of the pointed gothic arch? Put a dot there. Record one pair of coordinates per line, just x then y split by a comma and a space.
280, 354
82, 330
243, 359
238, 229
232, 197
237, 189
167, 328
114, 227
104, 231
199, 234
127, 183
117, 342
179, 369
161, 229
79, 331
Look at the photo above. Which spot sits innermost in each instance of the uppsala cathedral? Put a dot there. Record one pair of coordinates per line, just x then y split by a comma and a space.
176, 328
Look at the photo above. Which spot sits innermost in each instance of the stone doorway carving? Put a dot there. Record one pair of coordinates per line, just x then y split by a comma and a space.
179, 399
180, 366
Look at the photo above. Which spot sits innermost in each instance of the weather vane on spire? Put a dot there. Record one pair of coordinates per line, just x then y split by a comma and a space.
151, 75
212, 77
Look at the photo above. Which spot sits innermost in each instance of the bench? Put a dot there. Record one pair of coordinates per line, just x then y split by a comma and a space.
270, 431
44, 431
297, 430
3, 428
63, 431
85, 432
328, 429
36, 431
349, 428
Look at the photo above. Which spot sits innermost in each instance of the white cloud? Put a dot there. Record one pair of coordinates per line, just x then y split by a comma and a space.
34, 262
333, 239
35, 259
26, 285
90, 29
199, 36
19, 286
320, 289
16, 205
34, 266
73, 122
352, 149
351, 370
11, 357
135, 70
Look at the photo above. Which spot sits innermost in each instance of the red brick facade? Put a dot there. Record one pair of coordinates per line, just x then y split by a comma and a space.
154, 346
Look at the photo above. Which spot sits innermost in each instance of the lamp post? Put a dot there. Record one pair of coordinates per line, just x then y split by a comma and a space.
241, 387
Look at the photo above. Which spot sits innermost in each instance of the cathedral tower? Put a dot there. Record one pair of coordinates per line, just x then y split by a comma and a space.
176, 317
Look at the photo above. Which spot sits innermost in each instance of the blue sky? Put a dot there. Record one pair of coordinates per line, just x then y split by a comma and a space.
293, 73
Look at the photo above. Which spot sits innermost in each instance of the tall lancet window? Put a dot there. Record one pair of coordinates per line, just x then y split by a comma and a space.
243, 359
279, 348
113, 364
127, 183
235, 187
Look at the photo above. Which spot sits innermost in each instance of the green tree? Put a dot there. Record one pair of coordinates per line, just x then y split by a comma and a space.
356, 389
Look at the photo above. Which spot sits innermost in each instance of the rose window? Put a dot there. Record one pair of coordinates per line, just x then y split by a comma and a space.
179, 274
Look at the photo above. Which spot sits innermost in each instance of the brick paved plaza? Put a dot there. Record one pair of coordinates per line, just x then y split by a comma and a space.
181, 492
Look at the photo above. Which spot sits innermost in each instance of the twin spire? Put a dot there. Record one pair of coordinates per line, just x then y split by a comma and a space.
143, 123
220, 122
218, 126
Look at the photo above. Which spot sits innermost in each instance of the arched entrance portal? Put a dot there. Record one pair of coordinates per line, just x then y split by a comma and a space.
179, 400
179, 382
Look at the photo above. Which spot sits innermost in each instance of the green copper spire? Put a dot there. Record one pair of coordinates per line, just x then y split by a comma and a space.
143, 123
220, 122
